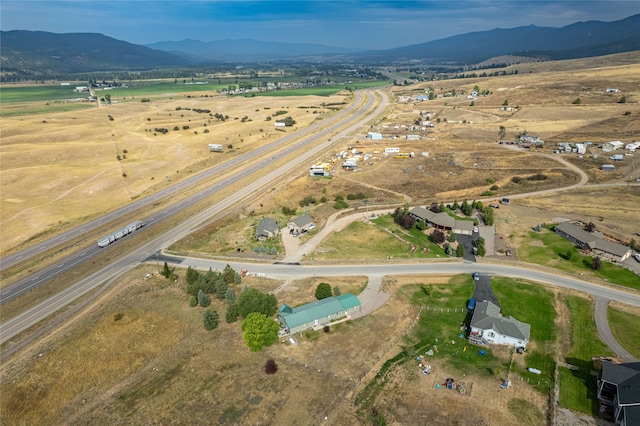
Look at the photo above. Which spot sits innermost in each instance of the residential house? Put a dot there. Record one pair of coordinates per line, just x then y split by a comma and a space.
592, 243
632, 147
318, 313
442, 221
301, 224
612, 146
489, 326
267, 228
619, 388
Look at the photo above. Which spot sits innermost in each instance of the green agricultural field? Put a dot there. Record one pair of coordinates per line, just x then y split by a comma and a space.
45, 92
625, 329
532, 304
559, 253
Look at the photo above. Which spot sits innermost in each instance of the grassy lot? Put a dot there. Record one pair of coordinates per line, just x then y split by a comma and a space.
365, 241
532, 304
13, 110
577, 388
578, 391
525, 411
625, 329
42, 92
322, 91
549, 249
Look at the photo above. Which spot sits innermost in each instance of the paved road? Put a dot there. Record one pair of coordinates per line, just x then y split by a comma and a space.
602, 325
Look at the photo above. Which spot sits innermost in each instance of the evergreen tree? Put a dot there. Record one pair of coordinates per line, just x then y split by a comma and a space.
254, 300
166, 272
237, 279
229, 296
460, 250
232, 313
210, 319
229, 274
192, 275
337, 291
193, 302
203, 299
221, 289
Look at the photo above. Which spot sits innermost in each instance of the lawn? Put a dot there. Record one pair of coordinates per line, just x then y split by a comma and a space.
577, 388
531, 304
578, 391
625, 329
549, 249
38, 93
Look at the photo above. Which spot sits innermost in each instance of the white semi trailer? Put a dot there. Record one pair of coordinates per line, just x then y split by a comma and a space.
116, 235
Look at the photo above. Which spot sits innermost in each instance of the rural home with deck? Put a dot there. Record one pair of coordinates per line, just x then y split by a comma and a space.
489, 326
612, 146
619, 389
442, 221
592, 243
267, 228
301, 224
317, 314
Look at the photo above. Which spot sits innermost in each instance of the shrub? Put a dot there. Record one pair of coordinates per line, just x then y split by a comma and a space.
438, 236
323, 291
270, 367
577, 101
118, 316
537, 177
494, 188
516, 179
193, 302
340, 204
488, 194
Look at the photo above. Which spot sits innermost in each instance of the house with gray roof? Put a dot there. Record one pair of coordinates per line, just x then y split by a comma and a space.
442, 221
301, 224
591, 243
318, 313
619, 388
267, 228
489, 326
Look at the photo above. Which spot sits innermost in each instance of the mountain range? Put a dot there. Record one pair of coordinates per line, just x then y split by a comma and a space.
44, 53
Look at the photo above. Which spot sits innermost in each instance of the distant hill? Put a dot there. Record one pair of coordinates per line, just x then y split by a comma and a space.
246, 50
579, 40
44, 53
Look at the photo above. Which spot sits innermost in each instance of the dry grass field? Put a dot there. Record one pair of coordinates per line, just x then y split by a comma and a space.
61, 169
157, 364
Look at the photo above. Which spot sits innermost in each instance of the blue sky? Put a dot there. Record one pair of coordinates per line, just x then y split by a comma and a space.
356, 24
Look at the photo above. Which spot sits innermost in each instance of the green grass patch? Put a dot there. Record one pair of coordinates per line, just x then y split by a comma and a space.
553, 252
363, 241
578, 391
585, 342
625, 329
44, 92
525, 411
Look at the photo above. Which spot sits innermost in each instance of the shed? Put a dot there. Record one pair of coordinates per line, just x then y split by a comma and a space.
608, 168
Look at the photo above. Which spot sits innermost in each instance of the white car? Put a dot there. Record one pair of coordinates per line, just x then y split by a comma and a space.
475, 229
637, 256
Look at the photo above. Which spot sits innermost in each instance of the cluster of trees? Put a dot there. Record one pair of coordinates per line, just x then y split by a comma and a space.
480, 247
402, 217
257, 308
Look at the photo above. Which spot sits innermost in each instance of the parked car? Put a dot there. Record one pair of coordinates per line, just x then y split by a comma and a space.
476, 276
475, 229
472, 304
637, 256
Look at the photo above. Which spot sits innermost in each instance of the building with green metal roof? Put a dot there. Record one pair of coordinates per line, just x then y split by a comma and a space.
318, 313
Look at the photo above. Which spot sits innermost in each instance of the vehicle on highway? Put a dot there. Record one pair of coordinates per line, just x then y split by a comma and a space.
116, 235
476, 276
